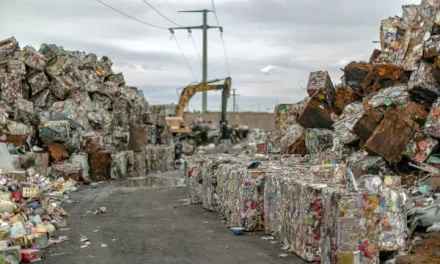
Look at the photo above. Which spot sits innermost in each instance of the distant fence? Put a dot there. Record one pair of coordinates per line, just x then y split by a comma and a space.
256, 120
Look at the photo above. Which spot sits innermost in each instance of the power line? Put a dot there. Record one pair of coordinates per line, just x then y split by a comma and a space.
184, 58
215, 12
195, 47
226, 57
129, 16
223, 41
152, 7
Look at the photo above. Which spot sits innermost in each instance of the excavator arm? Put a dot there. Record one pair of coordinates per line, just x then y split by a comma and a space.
177, 123
191, 90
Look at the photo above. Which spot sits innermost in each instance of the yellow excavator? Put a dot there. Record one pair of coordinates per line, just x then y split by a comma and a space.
177, 123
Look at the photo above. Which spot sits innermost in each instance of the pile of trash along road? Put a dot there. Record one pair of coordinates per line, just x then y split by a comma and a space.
66, 119
352, 173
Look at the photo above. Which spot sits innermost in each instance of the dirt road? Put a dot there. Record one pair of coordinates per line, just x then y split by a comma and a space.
146, 225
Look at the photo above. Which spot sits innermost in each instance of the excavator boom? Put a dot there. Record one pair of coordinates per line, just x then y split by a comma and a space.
177, 123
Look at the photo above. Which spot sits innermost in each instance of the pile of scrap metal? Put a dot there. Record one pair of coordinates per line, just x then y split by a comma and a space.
371, 144
68, 103
66, 119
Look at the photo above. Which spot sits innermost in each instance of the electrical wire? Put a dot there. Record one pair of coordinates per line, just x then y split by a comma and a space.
215, 12
223, 41
129, 16
157, 11
195, 47
184, 58
226, 57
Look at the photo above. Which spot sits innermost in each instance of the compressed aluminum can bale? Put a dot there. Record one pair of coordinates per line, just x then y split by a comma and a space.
140, 164
390, 40
82, 160
432, 47
343, 127
396, 95
287, 115
414, 40
16, 128
38, 81
33, 58
210, 198
409, 16
51, 51
9, 48
273, 143
362, 163
317, 114
321, 86
58, 66
103, 101
420, 147
193, 174
117, 78
120, 138
130, 163
293, 136
61, 86
422, 84
89, 62
55, 130
104, 66
24, 109
432, 125
118, 166
318, 140
391, 136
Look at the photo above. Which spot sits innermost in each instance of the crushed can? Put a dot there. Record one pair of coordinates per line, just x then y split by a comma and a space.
31, 255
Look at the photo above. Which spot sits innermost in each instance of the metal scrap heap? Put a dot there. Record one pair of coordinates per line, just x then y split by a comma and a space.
66, 119
351, 174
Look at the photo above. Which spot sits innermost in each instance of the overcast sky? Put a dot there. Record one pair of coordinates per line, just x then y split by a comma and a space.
272, 45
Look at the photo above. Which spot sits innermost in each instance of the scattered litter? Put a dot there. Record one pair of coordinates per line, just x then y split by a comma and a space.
101, 210
268, 238
283, 255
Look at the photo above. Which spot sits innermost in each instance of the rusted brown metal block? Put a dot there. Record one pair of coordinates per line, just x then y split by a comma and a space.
345, 95
391, 136
355, 74
416, 112
17, 140
383, 76
375, 55
317, 114
100, 166
138, 138
436, 69
57, 152
299, 147
369, 121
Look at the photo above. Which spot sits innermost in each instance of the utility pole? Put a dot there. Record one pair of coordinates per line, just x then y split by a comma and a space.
204, 28
234, 95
